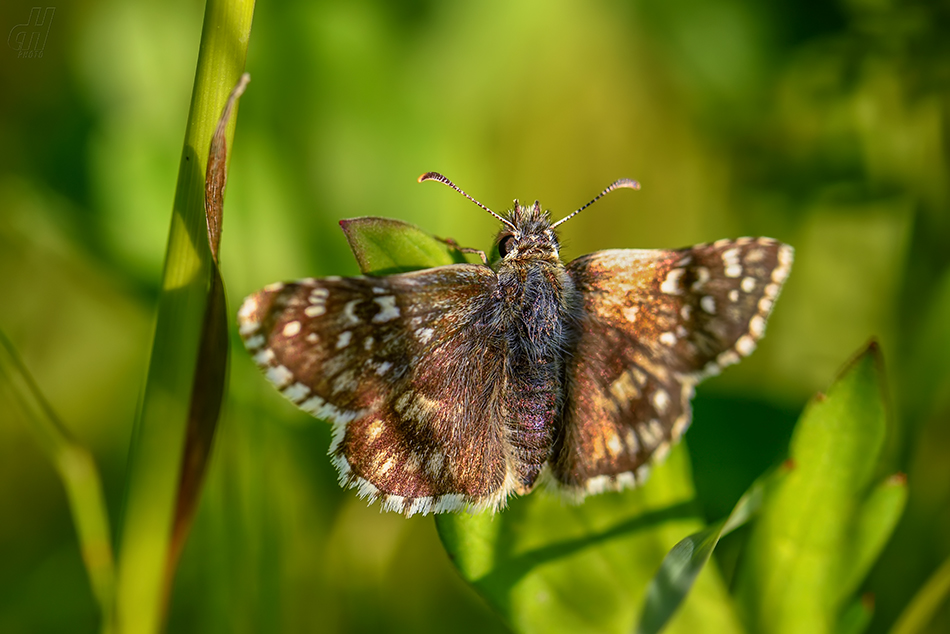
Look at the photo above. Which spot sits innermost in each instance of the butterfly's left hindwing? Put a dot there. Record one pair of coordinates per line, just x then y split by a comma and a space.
652, 324
405, 368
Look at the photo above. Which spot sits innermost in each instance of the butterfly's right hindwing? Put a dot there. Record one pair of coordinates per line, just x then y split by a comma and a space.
405, 369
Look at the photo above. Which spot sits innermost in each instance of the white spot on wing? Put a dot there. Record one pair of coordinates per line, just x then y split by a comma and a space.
279, 376
264, 357
668, 338
291, 328
757, 326
434, 464
248, 328
248, 308
671, 285
745, 345
748, 284
624, 389
296, 392
708, 304
349, 311
702, 276
344, 339
614, 445
374, 429
661, 400
315, 310
388, 310
424, 335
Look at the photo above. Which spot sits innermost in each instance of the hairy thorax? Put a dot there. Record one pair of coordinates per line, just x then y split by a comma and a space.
537, 297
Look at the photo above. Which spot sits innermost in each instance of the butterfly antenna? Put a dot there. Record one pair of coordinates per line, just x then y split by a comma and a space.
435, 176
621, 184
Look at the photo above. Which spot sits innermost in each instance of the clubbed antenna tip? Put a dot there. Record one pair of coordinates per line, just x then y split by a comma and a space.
623, 183
435, 176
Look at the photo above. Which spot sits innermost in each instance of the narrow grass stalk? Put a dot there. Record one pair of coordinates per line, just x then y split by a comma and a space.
934, 594
76, 469
145, 568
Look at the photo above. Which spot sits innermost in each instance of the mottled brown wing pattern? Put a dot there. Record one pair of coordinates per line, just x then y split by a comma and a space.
416, 416
652, 325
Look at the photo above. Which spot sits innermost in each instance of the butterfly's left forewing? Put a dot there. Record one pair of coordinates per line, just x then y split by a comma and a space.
405, 368
651, 325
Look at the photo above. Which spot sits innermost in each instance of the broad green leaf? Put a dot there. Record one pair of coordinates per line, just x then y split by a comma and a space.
683, 564
187, 326
383, 246
804, 544
548, 566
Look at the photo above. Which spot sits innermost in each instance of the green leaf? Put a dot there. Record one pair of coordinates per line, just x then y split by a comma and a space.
803, 551
874, 524
857, 616
682, 565
383, 246
175, 410
548, 566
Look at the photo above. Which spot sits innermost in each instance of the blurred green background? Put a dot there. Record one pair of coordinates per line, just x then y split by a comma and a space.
823, 124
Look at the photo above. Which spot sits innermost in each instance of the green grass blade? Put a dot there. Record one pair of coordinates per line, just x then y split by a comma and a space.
546, 566
155, 461
793, 569
76, 468
207, 394
926, 603
682, 565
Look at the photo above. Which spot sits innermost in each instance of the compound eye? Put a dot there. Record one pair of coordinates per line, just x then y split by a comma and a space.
506, 244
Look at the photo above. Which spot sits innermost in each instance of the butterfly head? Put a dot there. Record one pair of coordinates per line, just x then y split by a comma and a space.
527, 234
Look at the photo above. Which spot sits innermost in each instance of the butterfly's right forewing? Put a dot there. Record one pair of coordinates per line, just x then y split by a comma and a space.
652, 324
406, 367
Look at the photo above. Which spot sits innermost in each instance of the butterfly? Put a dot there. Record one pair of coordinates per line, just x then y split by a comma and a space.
453, 388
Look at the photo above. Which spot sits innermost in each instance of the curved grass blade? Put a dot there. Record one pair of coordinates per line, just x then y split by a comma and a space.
545, 566
76, 468
686, 560
934, 594
190, 293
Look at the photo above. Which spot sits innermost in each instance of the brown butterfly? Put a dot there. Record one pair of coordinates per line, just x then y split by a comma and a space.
453, 387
